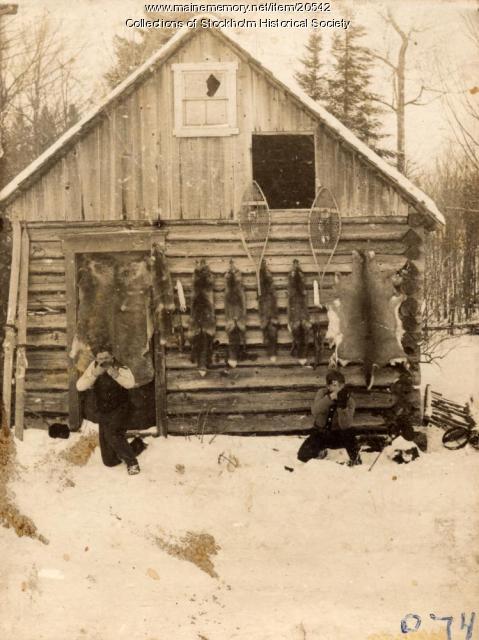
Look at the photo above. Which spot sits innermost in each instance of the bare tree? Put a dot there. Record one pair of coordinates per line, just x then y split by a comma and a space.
397, 66
39, 91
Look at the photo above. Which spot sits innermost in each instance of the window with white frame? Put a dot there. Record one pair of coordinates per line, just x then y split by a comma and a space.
205, 99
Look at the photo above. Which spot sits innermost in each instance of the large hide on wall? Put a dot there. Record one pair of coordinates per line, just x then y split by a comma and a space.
268, 311
202, 321
384, 303
364, 324
114, 312
134, 322
95, 320
235, 315
348, 327
298, 313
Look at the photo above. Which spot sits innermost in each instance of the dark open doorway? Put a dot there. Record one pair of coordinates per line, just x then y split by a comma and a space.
284, 167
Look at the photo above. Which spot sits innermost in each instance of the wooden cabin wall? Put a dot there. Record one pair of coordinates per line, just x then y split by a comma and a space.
130, 165
257, 396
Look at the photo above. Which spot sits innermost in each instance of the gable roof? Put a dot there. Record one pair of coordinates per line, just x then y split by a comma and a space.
418, 198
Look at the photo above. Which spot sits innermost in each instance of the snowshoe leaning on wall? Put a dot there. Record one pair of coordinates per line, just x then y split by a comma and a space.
298, 314
268, 311
202, 321
235, 315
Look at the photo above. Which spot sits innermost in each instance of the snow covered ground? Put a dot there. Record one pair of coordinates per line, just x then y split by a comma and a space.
322, 552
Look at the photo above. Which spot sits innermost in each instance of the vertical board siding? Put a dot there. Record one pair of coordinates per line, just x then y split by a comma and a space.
131, 165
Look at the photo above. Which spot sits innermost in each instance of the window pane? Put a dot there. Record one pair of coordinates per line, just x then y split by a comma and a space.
194, 113
216, 112
198, 84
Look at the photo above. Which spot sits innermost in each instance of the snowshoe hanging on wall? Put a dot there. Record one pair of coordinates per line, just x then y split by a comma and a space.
235, 315
202, 321
298, 314
268, 311
254, 221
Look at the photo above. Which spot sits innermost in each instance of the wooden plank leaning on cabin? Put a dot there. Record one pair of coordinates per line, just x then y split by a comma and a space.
21, 364
10, 335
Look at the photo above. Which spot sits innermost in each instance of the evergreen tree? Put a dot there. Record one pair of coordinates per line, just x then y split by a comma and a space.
311, 79
349, 95
131, 53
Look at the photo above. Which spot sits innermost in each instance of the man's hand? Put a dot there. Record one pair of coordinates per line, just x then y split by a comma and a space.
113, 372
97, 370
343, 397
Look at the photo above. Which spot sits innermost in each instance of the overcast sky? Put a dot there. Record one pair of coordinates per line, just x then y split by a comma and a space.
441, 49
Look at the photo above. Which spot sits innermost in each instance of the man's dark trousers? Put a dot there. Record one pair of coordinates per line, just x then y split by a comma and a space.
114, 446
330, 439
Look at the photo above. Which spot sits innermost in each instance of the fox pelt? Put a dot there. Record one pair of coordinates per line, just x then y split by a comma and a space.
202, 320
298, 314
364, 324
268, 311
163, 295
235, 315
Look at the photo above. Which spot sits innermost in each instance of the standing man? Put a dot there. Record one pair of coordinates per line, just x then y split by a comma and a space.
109, 383
333, 413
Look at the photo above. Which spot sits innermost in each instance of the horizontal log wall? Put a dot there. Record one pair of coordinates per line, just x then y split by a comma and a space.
282, 391
130, 166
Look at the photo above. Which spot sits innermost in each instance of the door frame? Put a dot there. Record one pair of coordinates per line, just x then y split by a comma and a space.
100, 240
313, 133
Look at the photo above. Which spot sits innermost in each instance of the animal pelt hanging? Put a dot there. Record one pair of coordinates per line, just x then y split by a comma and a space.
95, 318
364, 324
163, 295
235, 315
348, 327
202, 320
298, 314
133, 318
268, 311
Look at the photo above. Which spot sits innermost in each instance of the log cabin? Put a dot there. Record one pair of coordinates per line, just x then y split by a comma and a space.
162, 161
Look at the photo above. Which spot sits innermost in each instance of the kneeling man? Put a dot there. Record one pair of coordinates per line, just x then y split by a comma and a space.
333, 413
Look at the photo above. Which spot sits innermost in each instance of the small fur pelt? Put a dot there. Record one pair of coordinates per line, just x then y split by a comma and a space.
298, 314
163, 295
202, 321
235, 315
268, 311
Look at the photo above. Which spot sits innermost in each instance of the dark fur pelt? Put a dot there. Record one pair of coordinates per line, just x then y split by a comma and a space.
268, 311
235, 315
202, 321
318, 340
298, 314
163, 295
